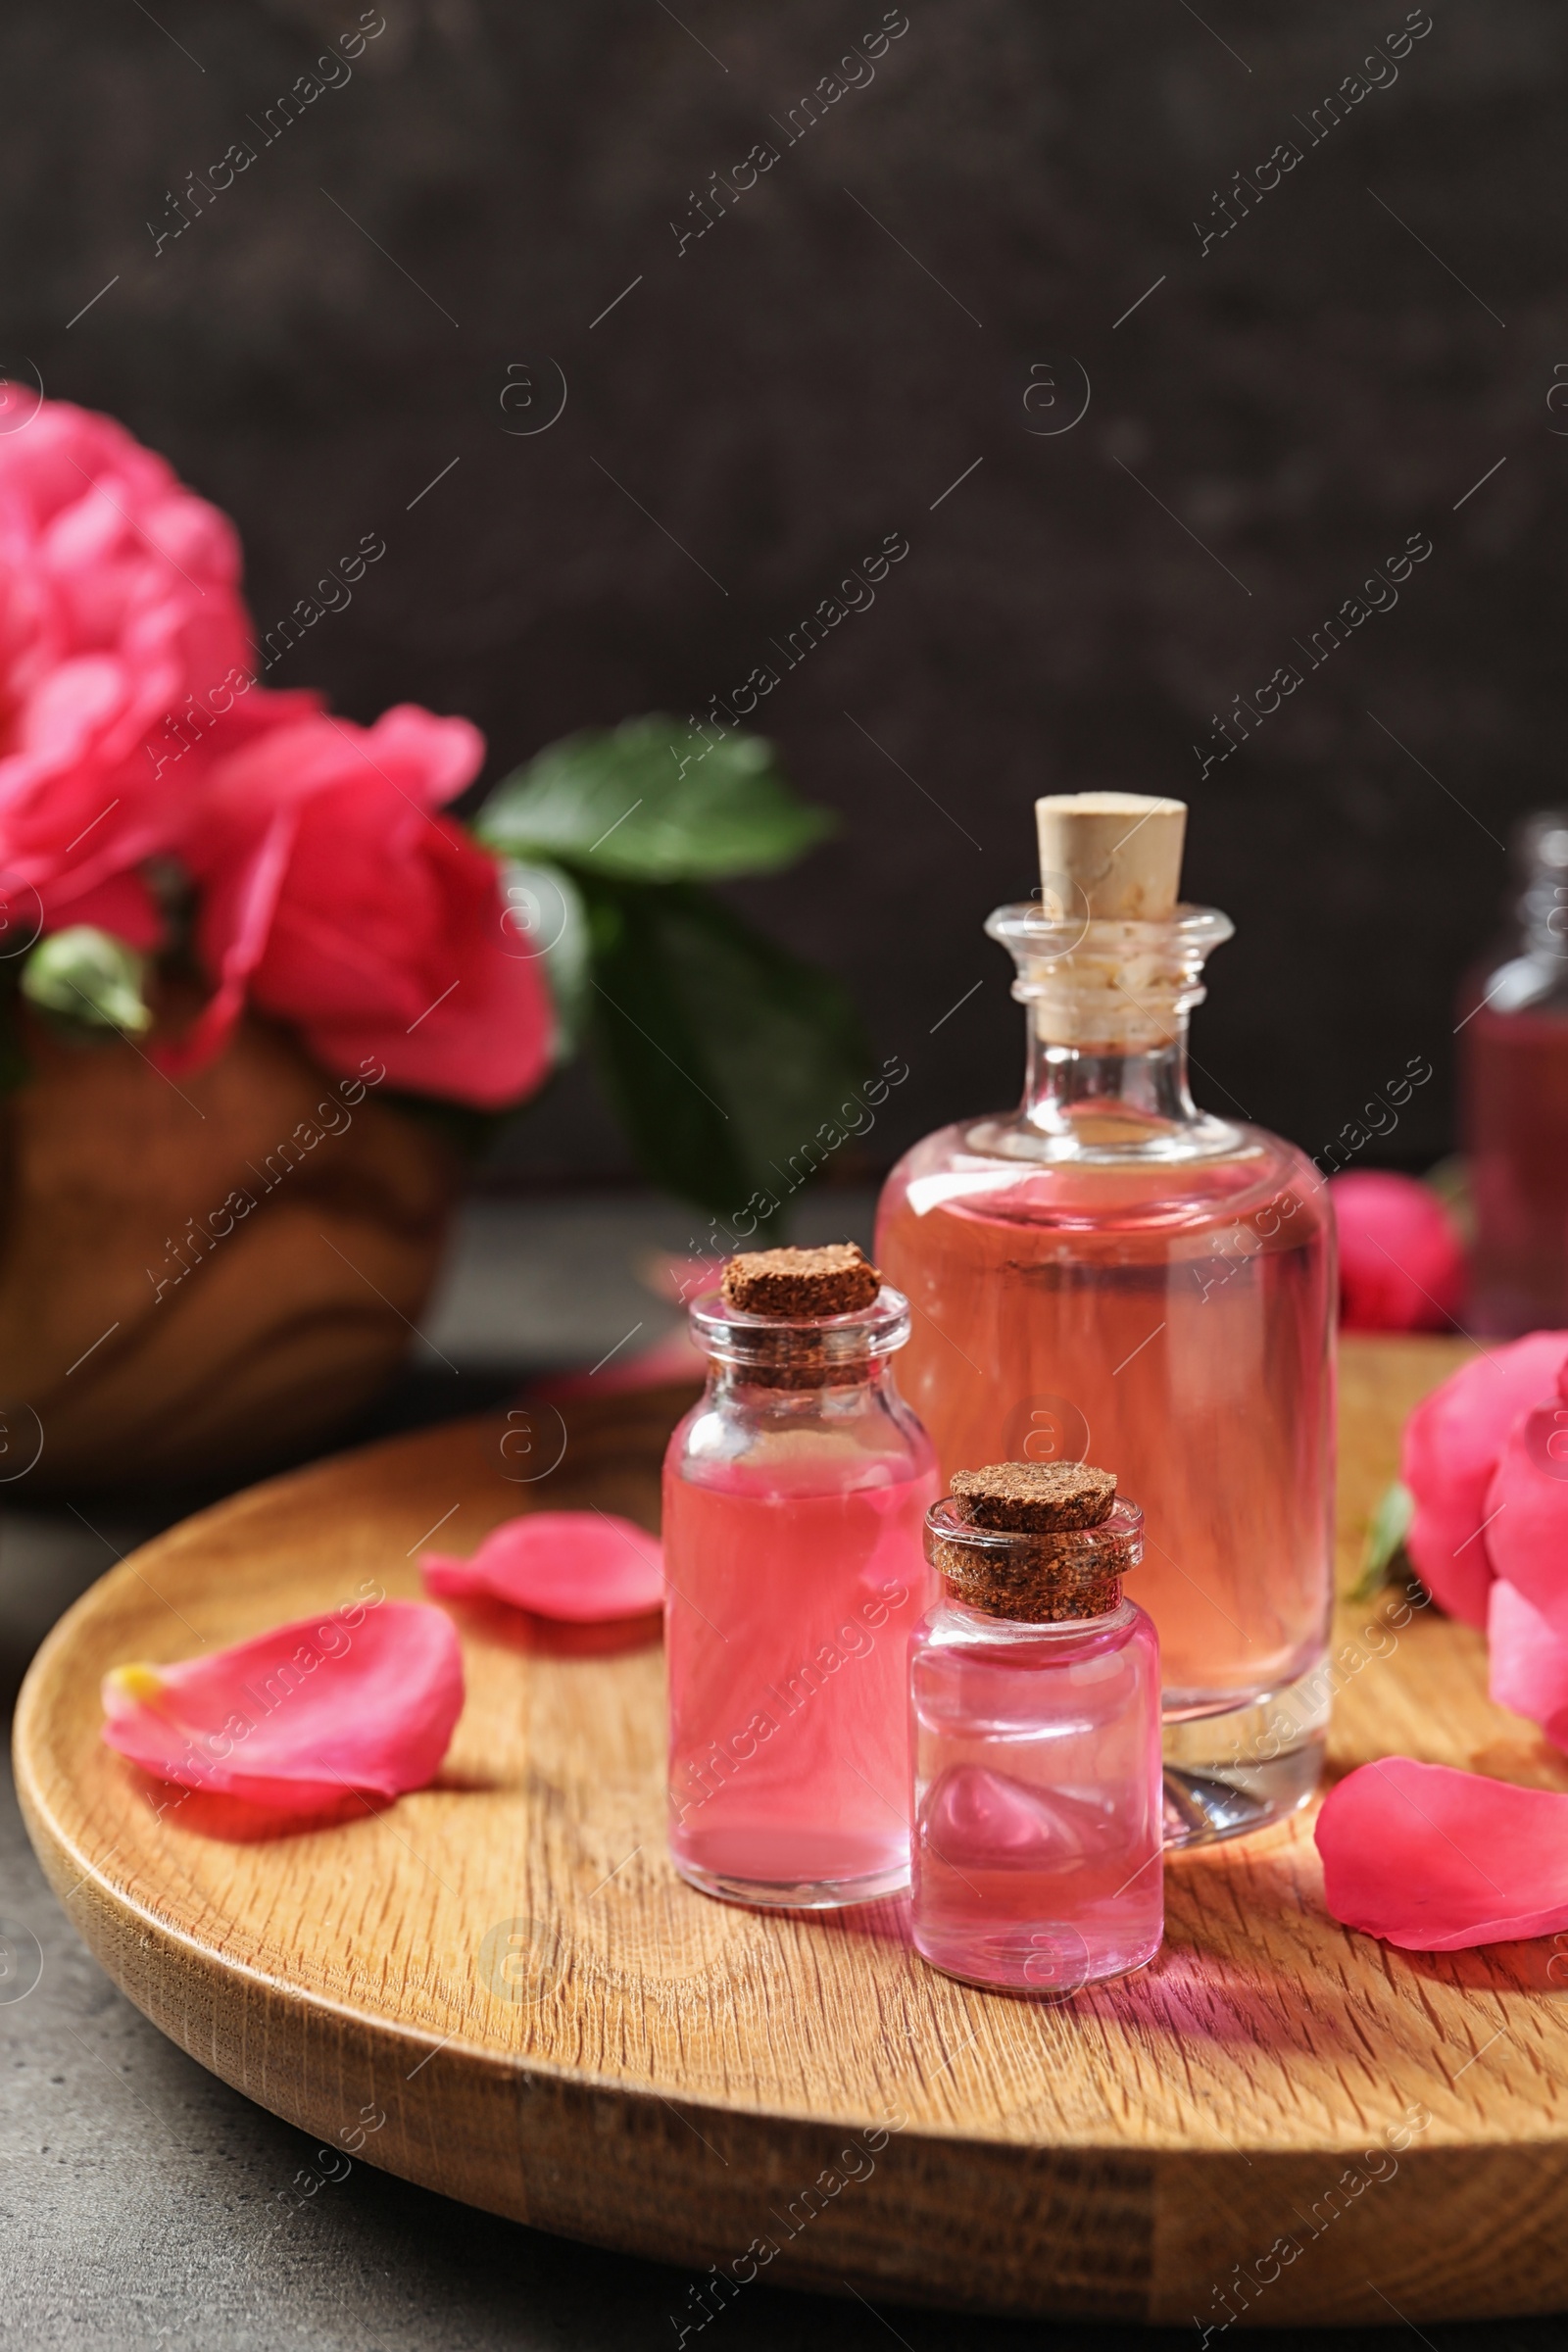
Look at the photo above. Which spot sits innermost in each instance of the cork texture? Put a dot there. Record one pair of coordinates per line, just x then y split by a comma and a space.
1035, 1497
1032, 1588
800, 1286
1054, 1572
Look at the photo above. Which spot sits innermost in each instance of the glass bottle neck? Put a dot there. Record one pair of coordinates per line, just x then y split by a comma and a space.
1105, 1097
761, 1389
750, 1352
953, 1624
1109, 1004
1541, 848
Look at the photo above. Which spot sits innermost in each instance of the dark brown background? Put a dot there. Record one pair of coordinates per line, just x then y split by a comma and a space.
796, 385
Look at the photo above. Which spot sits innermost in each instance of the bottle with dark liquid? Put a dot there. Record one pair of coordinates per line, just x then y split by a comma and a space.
1110, 1267
1514, 1034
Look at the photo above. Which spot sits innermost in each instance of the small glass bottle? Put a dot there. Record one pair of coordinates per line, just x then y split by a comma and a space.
1513, 1030
1034, 1691
1110, 1267
795, 1495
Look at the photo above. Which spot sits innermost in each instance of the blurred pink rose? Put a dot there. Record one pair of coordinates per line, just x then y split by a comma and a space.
1454, 1443
123, 643
1485, 1460
1401, 1266
335, 898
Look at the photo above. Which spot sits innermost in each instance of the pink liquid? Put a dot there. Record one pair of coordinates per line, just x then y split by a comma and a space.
1172, 1324
1515, 1072
789, 1611
1037, 1859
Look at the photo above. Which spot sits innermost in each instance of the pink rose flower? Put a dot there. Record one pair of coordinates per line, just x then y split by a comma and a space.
1528, 1655
334, 895
1485, 1460
1402, 1267
1454, 1442
336, 898
121, 621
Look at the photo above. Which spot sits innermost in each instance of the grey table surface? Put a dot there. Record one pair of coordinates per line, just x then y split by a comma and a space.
139, 2195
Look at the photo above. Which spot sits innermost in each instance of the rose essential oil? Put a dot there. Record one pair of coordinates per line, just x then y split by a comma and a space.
1034, 1692
795, 1495
1112, 1267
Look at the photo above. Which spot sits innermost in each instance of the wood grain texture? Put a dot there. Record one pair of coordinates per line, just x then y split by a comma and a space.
630, 2064
195, 1276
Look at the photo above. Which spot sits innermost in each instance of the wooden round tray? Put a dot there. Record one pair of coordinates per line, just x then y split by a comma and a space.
506, 1968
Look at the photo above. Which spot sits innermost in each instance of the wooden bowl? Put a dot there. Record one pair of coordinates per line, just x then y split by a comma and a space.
189, 1284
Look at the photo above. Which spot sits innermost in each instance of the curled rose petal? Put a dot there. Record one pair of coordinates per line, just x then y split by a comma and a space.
1401, 1266
1527, 1509
1452, 1444
1434, 1860
363, 1698
587, 1566
1528, 1660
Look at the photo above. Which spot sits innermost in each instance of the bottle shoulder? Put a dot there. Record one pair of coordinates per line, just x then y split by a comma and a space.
822, 1441
968, 1636
954, 1174
1513, 987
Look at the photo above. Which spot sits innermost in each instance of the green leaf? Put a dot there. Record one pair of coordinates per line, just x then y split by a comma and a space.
1384, 1543
653, 801
545, 917
727, 1057
88, 978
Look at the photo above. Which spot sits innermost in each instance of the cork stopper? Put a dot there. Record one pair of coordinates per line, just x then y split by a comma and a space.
800, 1318
1035, 1497
1110, 855
800, 1286
1036, 1542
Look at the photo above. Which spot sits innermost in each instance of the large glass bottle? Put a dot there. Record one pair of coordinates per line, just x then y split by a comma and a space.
1513, 1032
1110, 1267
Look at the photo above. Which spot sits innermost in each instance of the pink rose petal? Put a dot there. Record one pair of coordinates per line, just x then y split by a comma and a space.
1401, 1266
1527, 1509
585, 1566
1528, 1660
1434, 1860
363, 1698
1452, 1443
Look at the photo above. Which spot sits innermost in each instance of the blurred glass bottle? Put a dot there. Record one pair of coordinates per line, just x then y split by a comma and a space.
1513, 1033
